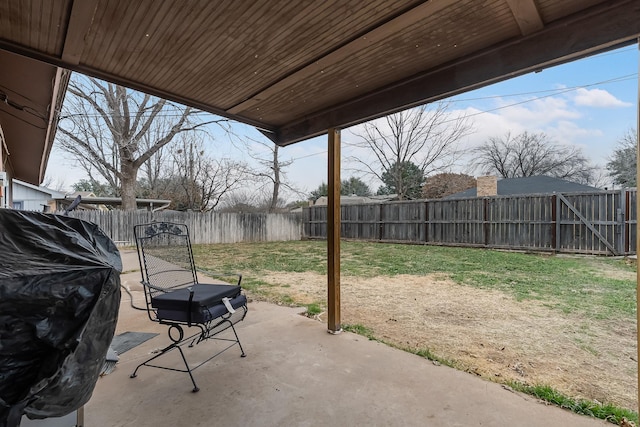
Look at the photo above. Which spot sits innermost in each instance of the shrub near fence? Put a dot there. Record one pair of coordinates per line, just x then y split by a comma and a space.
591, 223
204, 228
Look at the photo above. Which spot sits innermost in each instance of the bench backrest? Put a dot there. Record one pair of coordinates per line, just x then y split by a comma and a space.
166, 257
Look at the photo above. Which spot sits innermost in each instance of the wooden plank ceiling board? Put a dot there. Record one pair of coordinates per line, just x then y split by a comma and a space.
295, 68
39, 25
551, 10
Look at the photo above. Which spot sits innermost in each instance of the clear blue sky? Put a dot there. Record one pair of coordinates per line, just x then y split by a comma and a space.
591, 102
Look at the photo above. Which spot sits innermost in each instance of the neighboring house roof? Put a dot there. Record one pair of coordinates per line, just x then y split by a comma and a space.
384, 197
154, 204
83, 194
530, 185
355, 200
29, 197
52, 194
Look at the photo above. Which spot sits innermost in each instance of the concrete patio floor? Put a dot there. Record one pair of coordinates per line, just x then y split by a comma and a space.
296, 374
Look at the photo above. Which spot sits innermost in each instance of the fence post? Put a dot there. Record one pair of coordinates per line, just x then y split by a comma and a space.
485, 221
426, 221
627, 221
380, 223
306, 222
554, 223
620, 229
558, 223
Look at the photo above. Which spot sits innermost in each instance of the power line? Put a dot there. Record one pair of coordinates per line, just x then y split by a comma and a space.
525, 101
554, 91
310, 155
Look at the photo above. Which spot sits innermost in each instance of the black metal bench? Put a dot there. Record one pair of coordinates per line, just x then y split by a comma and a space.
175, 298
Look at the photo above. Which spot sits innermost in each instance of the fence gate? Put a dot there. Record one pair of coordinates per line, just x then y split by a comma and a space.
593, 223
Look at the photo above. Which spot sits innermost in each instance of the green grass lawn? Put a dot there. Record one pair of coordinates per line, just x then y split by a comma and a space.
596, 287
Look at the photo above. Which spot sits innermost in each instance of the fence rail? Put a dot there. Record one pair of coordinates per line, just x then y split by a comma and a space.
589, 223
204, 227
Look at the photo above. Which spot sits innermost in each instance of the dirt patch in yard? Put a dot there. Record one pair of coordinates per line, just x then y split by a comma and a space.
487, 333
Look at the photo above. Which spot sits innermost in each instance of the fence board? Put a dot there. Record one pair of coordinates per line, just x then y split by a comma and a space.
631, 221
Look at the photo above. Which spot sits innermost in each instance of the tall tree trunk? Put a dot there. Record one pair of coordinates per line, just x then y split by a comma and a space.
276, 181
128, 182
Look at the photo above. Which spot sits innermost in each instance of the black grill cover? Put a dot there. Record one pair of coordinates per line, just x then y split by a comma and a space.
59, 300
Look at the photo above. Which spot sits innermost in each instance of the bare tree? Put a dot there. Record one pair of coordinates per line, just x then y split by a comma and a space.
201, 180
104, 127
155, 170
240, 201
270, 171
56, 185
425, 137
275, 166
532, 154
219, 177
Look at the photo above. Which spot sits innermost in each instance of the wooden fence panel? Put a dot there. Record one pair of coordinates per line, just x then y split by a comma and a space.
365, 220
404, 221
204, 228
592, 223
456, 221
521, 222
317, 222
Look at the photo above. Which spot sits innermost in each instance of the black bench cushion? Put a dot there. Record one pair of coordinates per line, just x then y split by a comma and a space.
201, 314
204, 295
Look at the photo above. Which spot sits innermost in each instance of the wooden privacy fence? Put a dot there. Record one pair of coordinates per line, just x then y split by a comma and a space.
590, 223
203, 227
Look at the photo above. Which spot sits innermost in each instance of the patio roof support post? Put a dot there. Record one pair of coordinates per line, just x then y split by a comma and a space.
6, 191
333, 233
638, 226
2, 174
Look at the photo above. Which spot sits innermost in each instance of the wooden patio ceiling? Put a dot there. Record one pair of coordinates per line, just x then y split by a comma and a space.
295, 68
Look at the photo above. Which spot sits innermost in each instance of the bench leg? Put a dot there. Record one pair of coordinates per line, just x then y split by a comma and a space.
238, 341
174, 345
